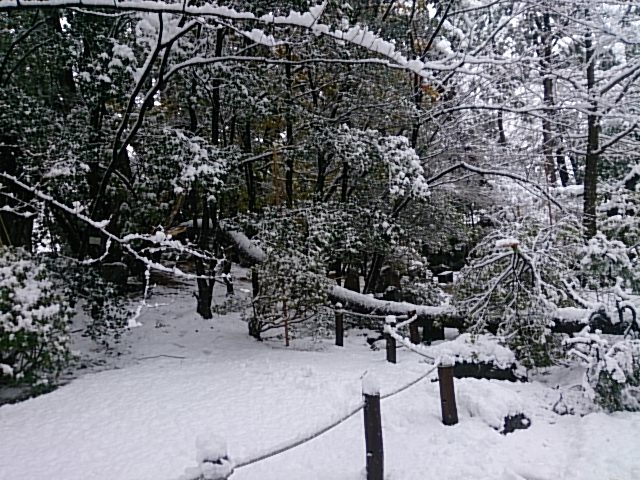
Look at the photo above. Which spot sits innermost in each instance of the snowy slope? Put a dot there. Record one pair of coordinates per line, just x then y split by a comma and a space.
140, 421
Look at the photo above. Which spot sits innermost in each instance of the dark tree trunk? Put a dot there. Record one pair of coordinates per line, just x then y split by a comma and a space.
203, 268
352, 279
548, 138
226, 271
289, 131
322, 176
15, 230
215, 111
248, 168
344, 186
593, 142
502, 137
374, 273
575, 166
417, 99
562, 167
254, 323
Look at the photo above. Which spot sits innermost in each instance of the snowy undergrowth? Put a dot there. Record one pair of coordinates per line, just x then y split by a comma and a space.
180, 378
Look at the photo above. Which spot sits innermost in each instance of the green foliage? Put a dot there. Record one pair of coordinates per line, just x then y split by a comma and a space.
292, 280
103, 302
33, 321
606, 264
612, 378
517, 276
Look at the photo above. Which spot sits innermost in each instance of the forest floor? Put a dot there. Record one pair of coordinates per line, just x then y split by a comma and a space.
134, 412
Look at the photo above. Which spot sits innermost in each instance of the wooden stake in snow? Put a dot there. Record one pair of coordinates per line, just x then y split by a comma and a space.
391, 342
286, 323
414, 333
373, 428
447, 393
339, 325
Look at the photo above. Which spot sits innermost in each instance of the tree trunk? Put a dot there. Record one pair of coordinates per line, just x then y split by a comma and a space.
548, 138
254, 323
561, 162
215, 101
417, 100
593, 143
248, 169
289, 131
15, 230
205, 285
374, 273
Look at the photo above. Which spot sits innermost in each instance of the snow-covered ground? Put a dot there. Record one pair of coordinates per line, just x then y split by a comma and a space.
135, 413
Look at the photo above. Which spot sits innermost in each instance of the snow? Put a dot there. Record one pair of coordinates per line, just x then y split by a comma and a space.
247, 247
370, 384
179, 388
349, 296
507, 242
474, 349
573, 314
488, 401
210, 448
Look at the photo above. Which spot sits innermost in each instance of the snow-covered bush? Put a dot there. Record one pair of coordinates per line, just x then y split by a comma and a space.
482, 348
292, 284
619, 211
290, 292
33, 320
104, 302
612, 378
517, 276
606, 263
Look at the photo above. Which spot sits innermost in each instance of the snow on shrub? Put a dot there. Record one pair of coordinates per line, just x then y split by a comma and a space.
475, 349
33, 321
606, 263
517, 277
612, 378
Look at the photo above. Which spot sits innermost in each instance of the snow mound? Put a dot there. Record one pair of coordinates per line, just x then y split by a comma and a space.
489, 401
370, 384
475, 349
210, 448
213, 462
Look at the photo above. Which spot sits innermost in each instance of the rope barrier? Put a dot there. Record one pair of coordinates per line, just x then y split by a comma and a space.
409, 321
406, 343
302, 441
410, 384
331, 426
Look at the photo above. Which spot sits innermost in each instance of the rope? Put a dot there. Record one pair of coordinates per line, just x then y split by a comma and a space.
351, 413
297, 443
410, 384
406, 343
407, 322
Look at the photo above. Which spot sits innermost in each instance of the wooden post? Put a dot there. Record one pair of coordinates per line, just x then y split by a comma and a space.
373, 432
414, 333
437, 332
286, 323
391, 342
430, 332
447, 394
339, 325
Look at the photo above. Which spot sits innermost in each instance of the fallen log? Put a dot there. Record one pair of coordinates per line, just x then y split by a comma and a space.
434, 318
